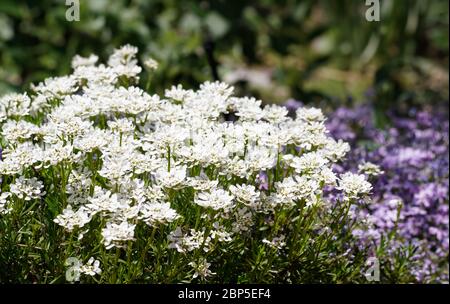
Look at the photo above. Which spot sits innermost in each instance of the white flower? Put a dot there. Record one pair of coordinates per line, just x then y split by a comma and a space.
370, 169
25, 155
276, 242
260, 158
12, 131
154, 193
326, 175
201, 269
78, 61
105, 201
57, 87
3, 203
177, 93
335, 150
310, 114
216, 88
154, 213
114, 168
275, 113
115, 235
308, 163
96, 139
354, 185
151, 64
245, 193
189, 242
248, 109
202, 184
308, 135
123, 55
215, 199
91, 268
76, 269
58, 152
123, 125
123, 61
293, 189
96, 76
15, 104
70, 219
174, 179
27, 188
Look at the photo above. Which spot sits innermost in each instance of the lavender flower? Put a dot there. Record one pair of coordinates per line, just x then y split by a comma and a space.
413, 153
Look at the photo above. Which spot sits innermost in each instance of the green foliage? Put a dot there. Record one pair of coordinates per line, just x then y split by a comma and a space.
309, 50
33, 249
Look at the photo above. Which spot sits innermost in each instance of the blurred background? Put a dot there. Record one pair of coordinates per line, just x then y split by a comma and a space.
320, 52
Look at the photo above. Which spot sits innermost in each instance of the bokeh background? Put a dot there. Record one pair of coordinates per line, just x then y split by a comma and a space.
317, 51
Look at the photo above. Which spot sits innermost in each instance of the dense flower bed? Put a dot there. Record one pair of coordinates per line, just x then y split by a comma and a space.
412, 153
123, 186
103, 182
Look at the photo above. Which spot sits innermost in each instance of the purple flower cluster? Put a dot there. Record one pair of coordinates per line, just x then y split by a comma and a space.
413, 153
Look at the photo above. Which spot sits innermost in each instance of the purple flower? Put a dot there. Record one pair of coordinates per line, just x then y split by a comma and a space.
292, 105
413, 153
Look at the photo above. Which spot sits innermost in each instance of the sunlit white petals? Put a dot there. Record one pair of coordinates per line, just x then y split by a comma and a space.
308, 163
354, 185
57, 87
370, 169
201, 269
14, 104
70, 219
91, 268
116, 235
116, 158
275, 114
79, 61
14, 131
4, 208
175, 178
216, 199
154, 213
246, 194
309, 115
186, 242
27, 188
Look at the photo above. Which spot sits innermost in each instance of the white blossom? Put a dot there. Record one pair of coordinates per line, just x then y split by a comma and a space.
4, 209
215, 199
123, 157
201, 269
115, 235
370, 169
27, 188
354, 185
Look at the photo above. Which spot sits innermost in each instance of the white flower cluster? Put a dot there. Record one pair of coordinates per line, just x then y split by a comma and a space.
27, 188
354, 185
91, 268
276, 242
201, 269
3, 203
123, 154
370, 169
185, 242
